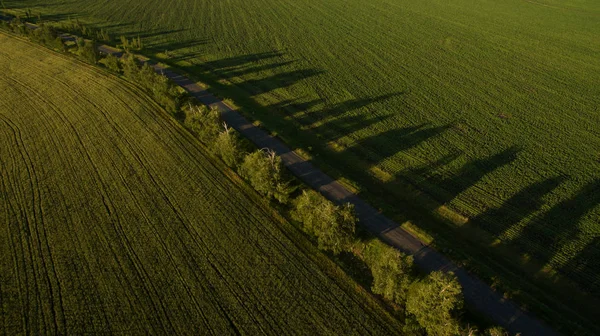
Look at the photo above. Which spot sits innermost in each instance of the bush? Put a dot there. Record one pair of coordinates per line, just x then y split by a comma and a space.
334, 226
264, 171
435, 301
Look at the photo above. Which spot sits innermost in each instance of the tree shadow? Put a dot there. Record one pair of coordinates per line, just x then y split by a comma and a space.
294, 106
329, 113
232, 72
524, 203
243, 60
379, 147
355, 267
470, 174
545, 235
332, 130
422, 172
157, 32
24, 4
583, 268
278, 81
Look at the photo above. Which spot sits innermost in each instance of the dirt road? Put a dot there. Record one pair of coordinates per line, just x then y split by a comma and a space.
477, 294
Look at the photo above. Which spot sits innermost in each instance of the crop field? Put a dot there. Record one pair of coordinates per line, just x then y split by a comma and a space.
489, 108
113, 219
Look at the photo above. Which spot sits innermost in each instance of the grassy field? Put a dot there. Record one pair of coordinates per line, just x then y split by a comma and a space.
113, 219
482, 113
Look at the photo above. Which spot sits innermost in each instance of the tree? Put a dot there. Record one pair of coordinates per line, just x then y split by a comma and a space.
434, 303
130, 66
264, 170
334, 226
112, 63
204, 122
89, 52
392, 270
495, 331
227, 147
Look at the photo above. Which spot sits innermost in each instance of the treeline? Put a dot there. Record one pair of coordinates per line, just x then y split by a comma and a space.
50, 36
429, 304
162, 90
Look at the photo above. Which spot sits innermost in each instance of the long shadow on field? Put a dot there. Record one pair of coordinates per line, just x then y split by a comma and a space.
470, 174
154, 33
524, 203
177, 47
584, 268
24, 4
240, 61
278, 81
328, 114
387, 144
254, 65
545, 236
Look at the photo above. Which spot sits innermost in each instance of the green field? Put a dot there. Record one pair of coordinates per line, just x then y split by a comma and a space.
113, 219
479, 110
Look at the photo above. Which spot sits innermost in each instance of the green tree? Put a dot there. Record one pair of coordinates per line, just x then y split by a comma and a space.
393, 271
495, 331
264, 170
89, 53
204, 122
130, 66
112, 63
435, 301
334, 226
228, 148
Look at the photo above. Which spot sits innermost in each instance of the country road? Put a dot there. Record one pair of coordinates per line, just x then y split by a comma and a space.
477, 294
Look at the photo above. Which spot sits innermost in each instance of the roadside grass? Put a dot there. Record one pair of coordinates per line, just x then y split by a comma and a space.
478, 122
115, 219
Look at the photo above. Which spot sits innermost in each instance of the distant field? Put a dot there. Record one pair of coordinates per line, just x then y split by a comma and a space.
112, 219
489, 107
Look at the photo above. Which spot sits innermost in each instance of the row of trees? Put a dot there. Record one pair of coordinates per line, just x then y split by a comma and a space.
431, 304
162, 90
49, 36
262, 169
76, 27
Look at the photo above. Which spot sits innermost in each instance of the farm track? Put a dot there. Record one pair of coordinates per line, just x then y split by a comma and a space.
478, 294
113, 220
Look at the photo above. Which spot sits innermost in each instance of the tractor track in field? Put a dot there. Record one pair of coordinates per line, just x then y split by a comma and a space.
477, 293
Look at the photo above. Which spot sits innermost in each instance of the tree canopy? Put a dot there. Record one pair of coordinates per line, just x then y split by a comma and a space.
435, 302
